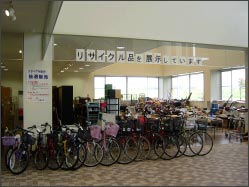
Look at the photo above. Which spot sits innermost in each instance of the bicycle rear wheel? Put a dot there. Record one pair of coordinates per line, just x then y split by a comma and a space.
71, 156
55, 159
19, 160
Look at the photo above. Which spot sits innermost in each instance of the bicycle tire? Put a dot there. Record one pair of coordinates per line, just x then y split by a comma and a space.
41, 159
94, 153
55, 159
194, 146
82, 156
7, 156
182, 145
143, 149
19, 160
111, 152
159, 146
129, 151
207, 144
171, 148
71, 158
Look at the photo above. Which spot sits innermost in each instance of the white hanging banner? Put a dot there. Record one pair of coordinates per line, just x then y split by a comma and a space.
148, 58
111, 56
121, 56
157, 58
182, 60
90, 55
80, 54
101, 56
139, 58
130, 56
166, 60
174, 60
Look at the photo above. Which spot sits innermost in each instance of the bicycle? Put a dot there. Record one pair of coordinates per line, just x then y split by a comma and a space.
109, 143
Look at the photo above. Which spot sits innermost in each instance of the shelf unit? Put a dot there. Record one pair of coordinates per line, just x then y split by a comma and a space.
93, 109
113, 106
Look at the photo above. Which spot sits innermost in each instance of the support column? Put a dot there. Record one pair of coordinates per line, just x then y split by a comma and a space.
37, 81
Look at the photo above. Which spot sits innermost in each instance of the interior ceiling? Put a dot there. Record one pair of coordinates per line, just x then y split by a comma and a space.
31, 16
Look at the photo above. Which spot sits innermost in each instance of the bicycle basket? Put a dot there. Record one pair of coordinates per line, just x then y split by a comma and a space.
84, 135
111, 129
28, 139
8, 140
95, 131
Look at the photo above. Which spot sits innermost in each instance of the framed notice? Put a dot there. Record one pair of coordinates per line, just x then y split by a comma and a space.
37, 85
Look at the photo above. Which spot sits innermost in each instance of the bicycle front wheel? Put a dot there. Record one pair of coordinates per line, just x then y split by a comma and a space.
111, 151
143, 149
129, 151
195, 145
19, 160
94, 153
207, 144
41, 159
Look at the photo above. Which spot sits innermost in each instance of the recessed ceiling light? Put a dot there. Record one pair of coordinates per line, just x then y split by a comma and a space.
87, 65
62, 71
81, 68
55, 44
76, 71
120, 47
20, 51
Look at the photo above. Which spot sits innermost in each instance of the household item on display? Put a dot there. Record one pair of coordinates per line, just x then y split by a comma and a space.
93, 110
65, 105
112, 105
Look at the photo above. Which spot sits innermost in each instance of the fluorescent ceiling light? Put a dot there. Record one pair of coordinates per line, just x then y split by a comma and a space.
55, 44
87, 65
62, 71
76, 71
120, 47
81, 68
3, 66
5, 69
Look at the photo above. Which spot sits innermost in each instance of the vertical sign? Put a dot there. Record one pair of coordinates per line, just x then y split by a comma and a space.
101, 56
80, 55
157, 58
174, 60
37, 85
148, 58
90, 55
111, 56
120, 56
166, 59
139, 58
130, 57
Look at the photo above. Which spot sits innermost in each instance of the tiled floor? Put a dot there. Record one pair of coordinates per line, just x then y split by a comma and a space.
226, 165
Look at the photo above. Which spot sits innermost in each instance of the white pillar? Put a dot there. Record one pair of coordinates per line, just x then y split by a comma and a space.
37, 106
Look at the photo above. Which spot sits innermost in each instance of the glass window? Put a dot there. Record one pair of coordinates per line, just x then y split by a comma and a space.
197, 86
99, 87
182, 85
233, 83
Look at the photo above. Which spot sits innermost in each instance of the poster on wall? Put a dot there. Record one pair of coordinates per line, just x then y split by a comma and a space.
37, 85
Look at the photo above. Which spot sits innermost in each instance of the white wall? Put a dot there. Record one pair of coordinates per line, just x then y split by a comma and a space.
79, 81
208, 22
